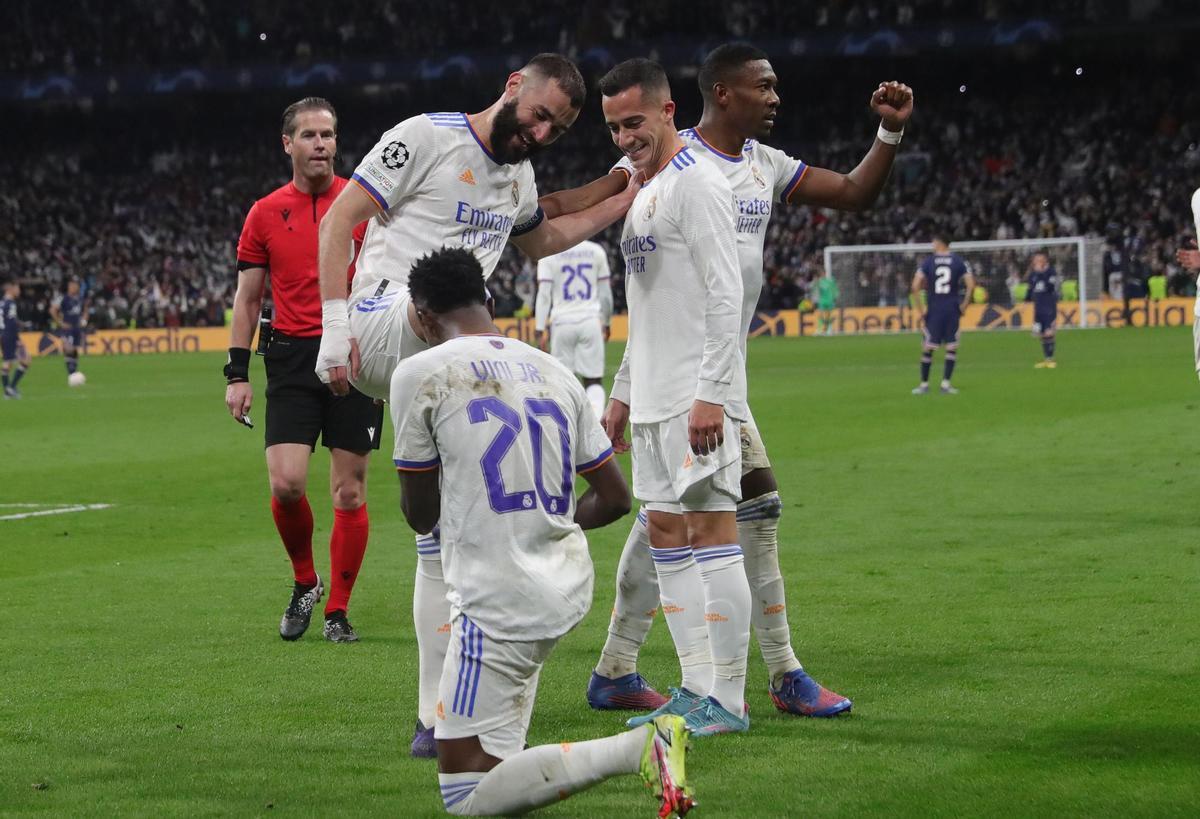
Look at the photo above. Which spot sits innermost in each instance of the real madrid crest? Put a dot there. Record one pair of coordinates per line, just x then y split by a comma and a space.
516, 193
758, 177
648, 213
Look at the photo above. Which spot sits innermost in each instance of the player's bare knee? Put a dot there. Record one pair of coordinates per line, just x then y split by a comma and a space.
348, 479
666, 531
349, 494
707, 529
286, 491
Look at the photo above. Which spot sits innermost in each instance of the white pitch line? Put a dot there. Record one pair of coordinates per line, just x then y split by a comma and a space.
83, 507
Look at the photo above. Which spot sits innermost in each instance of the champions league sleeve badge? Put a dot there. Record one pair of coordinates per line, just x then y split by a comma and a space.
395, 155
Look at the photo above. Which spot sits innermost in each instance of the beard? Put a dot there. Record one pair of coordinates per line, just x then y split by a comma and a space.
506, 127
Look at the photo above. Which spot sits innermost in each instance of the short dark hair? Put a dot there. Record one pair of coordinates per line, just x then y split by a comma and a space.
447, 279
639, 71
307, 104
564, 72
722, 61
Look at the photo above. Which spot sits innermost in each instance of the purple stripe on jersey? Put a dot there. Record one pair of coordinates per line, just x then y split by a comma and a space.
480, 141
403, 464
448, 120
717, 151
595, 462
793, 182
370, 189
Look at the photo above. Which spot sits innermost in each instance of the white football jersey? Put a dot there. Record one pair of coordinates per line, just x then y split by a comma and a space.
574, 276
760, 176
1196, 217
438, 187
510, 428
684, 290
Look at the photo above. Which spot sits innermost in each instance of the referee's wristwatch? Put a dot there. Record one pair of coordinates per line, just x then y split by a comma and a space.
237, 368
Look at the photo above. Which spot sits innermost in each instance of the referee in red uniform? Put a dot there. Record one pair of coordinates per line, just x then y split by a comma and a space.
279, 239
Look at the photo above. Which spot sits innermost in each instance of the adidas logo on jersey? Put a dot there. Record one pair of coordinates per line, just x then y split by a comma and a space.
467, 176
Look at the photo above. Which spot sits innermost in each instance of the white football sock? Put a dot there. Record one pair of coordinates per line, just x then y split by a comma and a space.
758, 530
635, 605
543, 775
727, 614
681, 590
595, 394
431, 621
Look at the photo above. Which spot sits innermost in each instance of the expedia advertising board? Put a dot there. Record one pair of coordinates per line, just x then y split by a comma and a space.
1173, 312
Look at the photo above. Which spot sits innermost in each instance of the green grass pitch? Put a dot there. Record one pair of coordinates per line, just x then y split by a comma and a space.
1004, 581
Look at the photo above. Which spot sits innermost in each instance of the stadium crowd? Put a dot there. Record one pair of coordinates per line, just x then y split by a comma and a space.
149, 221
102, 35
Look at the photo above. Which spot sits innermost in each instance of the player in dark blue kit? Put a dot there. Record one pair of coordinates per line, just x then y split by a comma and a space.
12, 351
1043, 292
68, 314
947, 282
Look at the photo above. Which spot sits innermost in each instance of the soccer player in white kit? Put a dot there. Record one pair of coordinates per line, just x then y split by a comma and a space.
443, 179
682, 384
740, 102
490, 434
575, 295
1190, 259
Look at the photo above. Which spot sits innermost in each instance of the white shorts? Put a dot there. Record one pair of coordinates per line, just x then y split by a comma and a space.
579, 346
488, 688
668, 477
1196, 342
754, 451
380, 323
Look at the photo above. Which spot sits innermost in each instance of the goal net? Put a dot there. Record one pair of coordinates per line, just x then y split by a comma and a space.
873, 282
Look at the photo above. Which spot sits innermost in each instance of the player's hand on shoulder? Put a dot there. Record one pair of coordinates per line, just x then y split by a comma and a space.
893, 102
614, 421
631, 189
237, 399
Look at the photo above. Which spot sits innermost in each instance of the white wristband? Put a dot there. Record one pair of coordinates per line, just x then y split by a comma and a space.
335, 313
889, 137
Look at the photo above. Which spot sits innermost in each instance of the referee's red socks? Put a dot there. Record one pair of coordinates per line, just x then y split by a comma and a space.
295, 524
347, 545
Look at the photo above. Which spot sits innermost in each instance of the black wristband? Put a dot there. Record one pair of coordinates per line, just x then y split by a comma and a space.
237, 369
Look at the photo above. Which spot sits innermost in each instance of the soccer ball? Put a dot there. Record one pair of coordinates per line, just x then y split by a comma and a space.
76, 379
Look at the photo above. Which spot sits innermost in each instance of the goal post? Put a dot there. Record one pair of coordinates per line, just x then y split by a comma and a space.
880, 276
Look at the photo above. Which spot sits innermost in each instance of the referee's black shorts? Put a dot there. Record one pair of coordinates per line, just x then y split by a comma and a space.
300, 407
